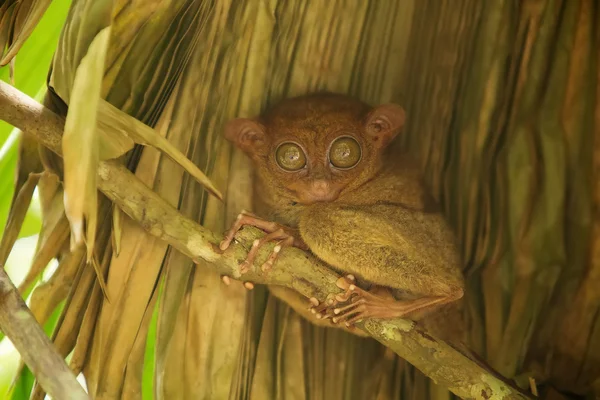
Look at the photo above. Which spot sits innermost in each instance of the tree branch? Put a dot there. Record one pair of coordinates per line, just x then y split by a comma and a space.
464, 376
19, 325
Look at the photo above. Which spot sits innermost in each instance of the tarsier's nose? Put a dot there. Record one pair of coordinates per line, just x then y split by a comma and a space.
320, 186
321, 190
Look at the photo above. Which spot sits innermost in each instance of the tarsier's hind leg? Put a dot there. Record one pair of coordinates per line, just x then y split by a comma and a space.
356, 304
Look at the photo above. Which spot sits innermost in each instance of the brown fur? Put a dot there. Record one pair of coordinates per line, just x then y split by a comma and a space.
382, 226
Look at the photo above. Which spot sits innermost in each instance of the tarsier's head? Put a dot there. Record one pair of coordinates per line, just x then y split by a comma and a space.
317, 146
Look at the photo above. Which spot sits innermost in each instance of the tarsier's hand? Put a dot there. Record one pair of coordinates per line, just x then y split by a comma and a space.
283, 235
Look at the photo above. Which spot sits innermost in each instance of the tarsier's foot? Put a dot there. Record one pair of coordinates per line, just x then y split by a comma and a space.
376, 303
283, 235
325, 310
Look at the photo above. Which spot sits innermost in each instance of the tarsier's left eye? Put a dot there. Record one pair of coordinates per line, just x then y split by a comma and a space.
345, 152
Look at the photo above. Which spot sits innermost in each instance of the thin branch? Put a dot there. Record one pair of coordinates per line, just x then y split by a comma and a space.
20, 326
464, 376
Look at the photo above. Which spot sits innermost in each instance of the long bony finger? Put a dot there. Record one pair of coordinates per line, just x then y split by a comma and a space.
231, 233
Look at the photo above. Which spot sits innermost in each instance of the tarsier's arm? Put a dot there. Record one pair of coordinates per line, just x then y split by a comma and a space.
390, 246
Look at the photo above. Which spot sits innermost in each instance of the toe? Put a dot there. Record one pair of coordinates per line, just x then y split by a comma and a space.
345, 283
244, 267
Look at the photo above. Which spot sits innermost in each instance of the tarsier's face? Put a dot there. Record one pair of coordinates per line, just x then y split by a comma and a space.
318, 166
315, 147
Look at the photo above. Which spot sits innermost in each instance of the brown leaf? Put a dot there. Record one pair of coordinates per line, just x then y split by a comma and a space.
50, 243
117, 229
116, 126
16, 216
80, 145
23, 16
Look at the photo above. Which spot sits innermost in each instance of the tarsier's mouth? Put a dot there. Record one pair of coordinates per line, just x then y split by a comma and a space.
309, 200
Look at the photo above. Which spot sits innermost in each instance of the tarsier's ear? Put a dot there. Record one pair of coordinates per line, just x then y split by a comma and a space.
248, 135
384, 123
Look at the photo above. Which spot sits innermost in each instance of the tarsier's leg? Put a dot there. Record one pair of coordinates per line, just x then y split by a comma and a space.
283, 235
377, 303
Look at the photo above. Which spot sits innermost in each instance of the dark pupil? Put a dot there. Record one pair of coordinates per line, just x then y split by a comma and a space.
290, 157
292, 154
343, 151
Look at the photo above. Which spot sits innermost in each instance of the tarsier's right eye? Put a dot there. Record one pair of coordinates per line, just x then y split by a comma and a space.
290, 156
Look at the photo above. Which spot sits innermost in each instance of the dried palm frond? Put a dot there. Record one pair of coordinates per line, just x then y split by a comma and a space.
18, 18
502, 100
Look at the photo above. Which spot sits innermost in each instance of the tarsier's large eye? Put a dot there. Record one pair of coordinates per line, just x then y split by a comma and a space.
345, 152
290, 157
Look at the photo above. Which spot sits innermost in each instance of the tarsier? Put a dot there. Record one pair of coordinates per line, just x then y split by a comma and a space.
324, 182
